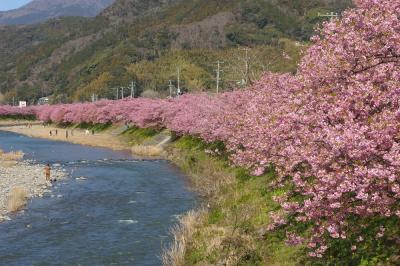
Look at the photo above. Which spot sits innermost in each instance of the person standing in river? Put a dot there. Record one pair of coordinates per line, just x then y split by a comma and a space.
47, 172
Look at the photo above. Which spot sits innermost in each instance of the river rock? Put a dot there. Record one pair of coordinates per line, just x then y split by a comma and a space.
28, 175
4, 218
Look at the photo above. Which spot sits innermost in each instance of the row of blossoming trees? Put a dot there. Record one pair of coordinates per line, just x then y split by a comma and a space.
332, 130
9, 111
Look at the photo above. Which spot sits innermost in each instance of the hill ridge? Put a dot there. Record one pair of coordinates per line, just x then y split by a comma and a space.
71, 58
41, 10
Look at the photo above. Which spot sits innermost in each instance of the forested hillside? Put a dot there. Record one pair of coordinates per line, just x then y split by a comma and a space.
41, 10
146, 42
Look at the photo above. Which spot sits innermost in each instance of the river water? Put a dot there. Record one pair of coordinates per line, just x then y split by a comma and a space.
120, 214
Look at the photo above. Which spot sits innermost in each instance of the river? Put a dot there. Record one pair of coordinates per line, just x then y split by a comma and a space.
120, 214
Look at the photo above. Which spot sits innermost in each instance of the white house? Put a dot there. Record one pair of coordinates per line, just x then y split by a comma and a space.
43, 101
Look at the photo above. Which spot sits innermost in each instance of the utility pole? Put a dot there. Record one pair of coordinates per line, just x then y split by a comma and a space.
218, 74
331, 15
247, 64
179, 81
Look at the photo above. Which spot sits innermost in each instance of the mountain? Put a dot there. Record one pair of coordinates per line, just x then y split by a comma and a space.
146, 41
130, 9
42, 10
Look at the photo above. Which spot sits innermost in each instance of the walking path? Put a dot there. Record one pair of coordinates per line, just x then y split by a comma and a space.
78, 136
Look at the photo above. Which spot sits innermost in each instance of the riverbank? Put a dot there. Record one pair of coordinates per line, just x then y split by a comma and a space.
104, 139
21, 180
231, 226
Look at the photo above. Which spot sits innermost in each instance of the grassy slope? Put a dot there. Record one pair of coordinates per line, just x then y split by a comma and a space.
231, 226
233, 229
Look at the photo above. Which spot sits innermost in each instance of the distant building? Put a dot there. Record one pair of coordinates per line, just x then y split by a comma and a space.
22, 104
43, 101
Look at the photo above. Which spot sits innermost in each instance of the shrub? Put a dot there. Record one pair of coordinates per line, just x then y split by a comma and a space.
151, 94
242, 175
147, 150
182, 233
11, 156
17, 199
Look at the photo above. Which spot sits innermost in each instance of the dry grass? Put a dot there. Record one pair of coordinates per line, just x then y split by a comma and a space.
8, 164
147, 150
174, 255
11, 156
17, 199
208, 175
8, 160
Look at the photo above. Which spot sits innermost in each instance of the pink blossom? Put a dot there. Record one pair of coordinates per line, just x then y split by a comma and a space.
336, 120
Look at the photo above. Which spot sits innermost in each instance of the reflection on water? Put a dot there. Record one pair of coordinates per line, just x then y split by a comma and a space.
114, 210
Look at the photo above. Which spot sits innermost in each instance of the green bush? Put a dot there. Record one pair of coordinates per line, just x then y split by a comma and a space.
242, 175
215, 216
138, 135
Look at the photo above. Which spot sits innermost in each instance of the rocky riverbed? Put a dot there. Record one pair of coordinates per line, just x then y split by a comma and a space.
27, 176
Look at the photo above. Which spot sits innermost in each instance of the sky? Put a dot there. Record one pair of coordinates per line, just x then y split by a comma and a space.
12, 4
